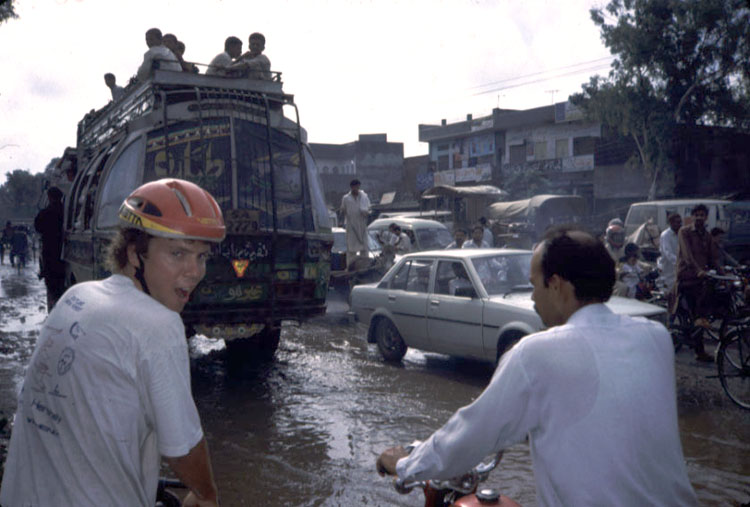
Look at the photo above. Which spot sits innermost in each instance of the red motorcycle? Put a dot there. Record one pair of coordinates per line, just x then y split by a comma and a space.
460, 491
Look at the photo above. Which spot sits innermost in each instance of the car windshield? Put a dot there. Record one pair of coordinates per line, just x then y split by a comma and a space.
433, 239
339, 242
501, 274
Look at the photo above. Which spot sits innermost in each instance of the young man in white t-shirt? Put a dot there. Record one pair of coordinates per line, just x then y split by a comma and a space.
107, 391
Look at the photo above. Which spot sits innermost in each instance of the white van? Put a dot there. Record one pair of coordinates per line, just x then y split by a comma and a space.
641, 212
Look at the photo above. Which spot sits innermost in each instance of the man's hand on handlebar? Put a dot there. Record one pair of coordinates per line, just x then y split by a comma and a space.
191, 500
386, 463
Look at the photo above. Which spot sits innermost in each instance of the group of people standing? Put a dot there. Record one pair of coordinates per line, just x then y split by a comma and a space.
166, 52
481, 237
687, 253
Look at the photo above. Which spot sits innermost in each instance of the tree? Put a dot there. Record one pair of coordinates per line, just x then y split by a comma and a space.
678, 63
7, 10
20, 194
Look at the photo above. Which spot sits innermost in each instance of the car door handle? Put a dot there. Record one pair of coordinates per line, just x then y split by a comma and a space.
434, 302
391, 297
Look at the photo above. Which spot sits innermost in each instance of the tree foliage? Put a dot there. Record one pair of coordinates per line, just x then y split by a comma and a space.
7, 10
677, 63
22, 193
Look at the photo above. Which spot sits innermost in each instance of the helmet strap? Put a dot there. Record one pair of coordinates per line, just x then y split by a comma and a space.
139, 275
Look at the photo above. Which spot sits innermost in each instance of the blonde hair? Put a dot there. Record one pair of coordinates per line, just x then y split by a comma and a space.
116, 256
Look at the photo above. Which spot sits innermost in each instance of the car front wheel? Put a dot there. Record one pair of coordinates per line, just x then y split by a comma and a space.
390, 343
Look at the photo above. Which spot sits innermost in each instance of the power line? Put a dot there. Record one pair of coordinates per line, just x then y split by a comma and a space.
572, 73
544, 72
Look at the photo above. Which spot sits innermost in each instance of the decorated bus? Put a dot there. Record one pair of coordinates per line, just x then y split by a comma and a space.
241, 140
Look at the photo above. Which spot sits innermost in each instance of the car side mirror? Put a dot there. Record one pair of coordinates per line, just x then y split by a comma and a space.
466, 292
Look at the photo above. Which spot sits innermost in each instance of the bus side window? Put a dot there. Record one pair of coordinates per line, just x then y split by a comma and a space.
88, 208
78, 203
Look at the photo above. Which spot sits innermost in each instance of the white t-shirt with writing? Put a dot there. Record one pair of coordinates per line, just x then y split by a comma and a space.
106, 394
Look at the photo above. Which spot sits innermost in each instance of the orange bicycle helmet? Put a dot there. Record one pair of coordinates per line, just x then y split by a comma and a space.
172, 208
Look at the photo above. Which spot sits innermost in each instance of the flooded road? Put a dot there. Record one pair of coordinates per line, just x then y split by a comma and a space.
306, 428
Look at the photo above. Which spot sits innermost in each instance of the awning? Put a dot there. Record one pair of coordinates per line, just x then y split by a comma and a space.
472, 191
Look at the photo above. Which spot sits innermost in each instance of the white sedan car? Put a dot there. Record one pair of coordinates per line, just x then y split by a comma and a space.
470, 303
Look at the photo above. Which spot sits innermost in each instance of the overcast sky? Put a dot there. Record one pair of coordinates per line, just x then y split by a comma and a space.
354, 67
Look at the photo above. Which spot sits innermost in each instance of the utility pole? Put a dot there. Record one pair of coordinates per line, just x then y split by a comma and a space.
552, 92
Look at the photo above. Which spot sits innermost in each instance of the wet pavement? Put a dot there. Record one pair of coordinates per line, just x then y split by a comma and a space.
306, 428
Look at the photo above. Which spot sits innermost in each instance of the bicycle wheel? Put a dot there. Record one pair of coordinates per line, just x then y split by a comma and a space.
733, 363
680, 328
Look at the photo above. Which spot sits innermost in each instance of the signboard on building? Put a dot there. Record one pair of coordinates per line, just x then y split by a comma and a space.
333, 166
445, 178
482, 125
481, 145
480, 172
579, 163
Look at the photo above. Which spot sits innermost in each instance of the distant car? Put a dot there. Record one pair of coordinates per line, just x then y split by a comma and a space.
424, 234
467, 303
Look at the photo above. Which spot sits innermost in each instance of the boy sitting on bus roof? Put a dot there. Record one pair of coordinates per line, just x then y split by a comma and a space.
157, 53
254, 61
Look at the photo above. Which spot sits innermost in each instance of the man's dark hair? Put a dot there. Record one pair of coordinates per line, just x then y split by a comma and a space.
54, 194
155, 32
478, 226
716, 231
459, 229
259, 36
109, 74
169, 36
699, 207
355, 181
578, 257
482, 220
231, 41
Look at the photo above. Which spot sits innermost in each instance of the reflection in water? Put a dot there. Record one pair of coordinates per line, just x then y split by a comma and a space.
306, 429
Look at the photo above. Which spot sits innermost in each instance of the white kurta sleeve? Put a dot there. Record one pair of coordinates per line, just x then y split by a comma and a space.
502, 415
364, 204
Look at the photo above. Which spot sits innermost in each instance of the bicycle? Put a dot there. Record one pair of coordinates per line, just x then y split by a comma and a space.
733, 363
733, 354
727, 302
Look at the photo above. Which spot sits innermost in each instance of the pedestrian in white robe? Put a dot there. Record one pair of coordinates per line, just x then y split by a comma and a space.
355, 206
668, 246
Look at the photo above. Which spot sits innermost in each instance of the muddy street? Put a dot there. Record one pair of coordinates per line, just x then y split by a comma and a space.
306, 428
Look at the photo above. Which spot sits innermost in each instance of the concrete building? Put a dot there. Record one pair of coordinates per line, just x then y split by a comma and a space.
510, 147
377, 163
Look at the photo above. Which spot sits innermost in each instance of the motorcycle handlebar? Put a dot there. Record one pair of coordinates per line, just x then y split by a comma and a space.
465, 483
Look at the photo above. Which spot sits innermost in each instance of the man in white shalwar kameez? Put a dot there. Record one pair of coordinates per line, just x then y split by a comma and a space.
355, 206
668, 246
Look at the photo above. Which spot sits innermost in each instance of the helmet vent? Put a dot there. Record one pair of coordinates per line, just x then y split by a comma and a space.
150, 209
183, 200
